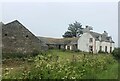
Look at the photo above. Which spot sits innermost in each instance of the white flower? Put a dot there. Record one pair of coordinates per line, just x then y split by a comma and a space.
73, 77
11, 68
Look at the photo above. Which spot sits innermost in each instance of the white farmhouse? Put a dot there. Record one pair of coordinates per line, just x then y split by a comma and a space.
95, 42
89, 42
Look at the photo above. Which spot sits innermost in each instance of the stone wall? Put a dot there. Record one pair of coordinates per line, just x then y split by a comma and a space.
17, 39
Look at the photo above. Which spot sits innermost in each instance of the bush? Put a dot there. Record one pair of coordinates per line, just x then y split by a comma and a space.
20, 55
116, 53
35, 52
77, 50
63, 50
13, 55
101, 51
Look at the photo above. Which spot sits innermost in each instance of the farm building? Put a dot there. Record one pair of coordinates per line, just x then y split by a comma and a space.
16, 38
89, 41
95, 42
62, 43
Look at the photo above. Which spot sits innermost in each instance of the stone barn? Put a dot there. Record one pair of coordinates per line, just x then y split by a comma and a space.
16, 38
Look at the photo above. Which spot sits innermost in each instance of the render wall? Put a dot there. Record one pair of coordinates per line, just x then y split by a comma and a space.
83, 42
103, 44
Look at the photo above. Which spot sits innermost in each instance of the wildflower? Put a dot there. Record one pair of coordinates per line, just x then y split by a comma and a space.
73, 71
6, 68
63, 78
83, 70
6, 73
59, 71
73, 77
48, 65
11, 68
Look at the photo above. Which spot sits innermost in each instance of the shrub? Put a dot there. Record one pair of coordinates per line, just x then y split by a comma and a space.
101, 51
13, 55
35, 52
63, 50
76, 50
116, 53
20, 55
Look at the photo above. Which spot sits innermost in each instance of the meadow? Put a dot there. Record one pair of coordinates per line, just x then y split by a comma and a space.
61, 64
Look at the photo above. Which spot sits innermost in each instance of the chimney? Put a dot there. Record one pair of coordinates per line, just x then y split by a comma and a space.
105, 34
87, 26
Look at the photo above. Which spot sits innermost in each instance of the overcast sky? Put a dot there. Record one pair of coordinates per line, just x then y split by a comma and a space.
51, 19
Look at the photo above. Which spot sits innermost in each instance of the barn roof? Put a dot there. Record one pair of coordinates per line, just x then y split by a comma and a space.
59, 41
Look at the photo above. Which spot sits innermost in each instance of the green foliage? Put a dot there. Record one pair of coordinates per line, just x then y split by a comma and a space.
116, 53
76, 50
74, 30
20, 55
13, 55
101, 52
56, 64
68, 34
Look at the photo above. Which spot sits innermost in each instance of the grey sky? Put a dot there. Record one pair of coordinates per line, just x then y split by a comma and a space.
51, 19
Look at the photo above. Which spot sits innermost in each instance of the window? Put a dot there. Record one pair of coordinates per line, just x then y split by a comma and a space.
90, 48
68, 47
91, 40
75, 46
26, 36
105, 48
100, 48
110, 49
5, 34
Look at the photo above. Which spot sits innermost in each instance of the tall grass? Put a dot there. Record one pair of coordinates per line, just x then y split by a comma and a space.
59, 64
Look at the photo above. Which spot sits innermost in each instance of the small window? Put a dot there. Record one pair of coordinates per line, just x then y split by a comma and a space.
90, 48
68, 47
5, 34
91, 40
26, 36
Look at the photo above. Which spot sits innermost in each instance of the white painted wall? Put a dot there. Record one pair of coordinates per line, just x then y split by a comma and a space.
83, 42
66, 47
103, 44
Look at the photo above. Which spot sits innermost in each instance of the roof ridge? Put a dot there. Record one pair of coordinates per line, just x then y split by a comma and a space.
13, 22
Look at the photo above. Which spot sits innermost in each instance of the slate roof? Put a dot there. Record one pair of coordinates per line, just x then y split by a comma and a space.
59, 41
103, 37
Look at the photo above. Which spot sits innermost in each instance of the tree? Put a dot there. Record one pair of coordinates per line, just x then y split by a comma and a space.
67, 34
74, 30
116, 53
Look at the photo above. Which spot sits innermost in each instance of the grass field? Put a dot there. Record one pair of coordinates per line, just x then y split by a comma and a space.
58, 64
